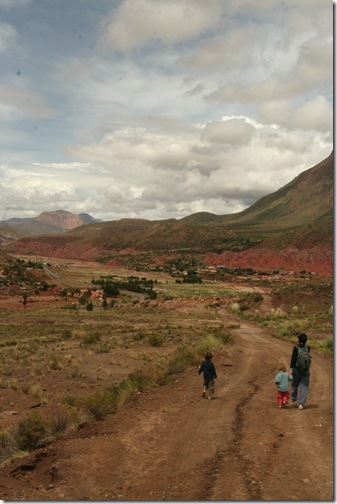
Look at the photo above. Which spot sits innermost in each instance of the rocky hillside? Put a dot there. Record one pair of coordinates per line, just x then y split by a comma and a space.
291, 229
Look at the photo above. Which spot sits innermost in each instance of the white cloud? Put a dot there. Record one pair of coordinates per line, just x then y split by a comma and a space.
26, 102
275, 112
8, 36
316, 114
31, 188
168, 172
268, 89
234, 132
136, 22
166, 108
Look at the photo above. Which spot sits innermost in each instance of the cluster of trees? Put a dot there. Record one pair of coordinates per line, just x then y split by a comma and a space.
21, 270
112, 287
19, 273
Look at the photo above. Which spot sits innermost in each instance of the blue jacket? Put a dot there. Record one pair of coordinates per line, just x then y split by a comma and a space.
282, 379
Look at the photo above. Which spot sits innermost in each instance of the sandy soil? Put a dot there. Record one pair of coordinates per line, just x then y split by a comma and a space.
169, 443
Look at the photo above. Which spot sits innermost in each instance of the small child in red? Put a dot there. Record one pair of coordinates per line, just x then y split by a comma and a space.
282, 380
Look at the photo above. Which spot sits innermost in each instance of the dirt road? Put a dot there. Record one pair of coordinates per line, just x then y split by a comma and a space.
171, 444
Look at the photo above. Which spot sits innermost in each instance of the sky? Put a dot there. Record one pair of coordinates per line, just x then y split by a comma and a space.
158, 109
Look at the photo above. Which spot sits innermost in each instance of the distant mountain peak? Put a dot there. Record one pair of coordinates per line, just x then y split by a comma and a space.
88, 219
61, 219
53, 222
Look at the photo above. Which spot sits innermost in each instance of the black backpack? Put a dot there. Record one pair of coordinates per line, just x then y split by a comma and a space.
303, 359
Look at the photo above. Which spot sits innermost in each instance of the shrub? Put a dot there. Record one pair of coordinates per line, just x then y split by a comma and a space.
74, 371
234, 307
55, 364
101, 402
140, 335
138, 381
182, 359
221, 334
71, 401
284, 329
155, 340
8, 448
208, 344
37, 392
31, 432
153, 295
91, 339
135, 382
287, 328
328, 344
60, 421
66, 334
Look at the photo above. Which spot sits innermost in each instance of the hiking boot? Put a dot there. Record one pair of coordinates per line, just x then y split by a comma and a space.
204, 394
284, 404
300, 406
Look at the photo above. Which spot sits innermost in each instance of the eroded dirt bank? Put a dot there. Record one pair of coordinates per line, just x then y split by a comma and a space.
171, 444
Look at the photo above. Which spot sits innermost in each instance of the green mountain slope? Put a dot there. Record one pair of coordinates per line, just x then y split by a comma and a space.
308, 198
303, 206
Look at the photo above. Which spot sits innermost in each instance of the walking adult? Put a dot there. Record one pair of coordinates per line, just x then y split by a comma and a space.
300, 371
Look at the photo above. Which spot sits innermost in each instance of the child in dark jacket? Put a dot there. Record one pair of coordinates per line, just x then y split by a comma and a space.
282, 380
208, 369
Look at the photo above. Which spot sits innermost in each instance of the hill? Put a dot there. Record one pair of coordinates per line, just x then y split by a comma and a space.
56, 222
291, 228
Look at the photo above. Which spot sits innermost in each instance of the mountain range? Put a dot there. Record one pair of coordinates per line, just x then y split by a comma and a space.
291, 228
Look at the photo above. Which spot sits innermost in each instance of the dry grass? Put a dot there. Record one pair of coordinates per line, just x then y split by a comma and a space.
73, 364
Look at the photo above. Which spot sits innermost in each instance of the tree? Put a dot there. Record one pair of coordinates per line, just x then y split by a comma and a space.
104, 302
90, 306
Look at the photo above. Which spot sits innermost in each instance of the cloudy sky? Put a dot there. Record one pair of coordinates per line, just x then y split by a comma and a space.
160, 108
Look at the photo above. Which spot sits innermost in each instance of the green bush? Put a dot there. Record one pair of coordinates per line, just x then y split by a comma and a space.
101, 402
60, 421
221, 334
208, 344
152, 295
91, 339
31, 432
71, 401
137, 381
66, 334
55, 364
155, 340
182, 359
140, 335
328, 344
7, 446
